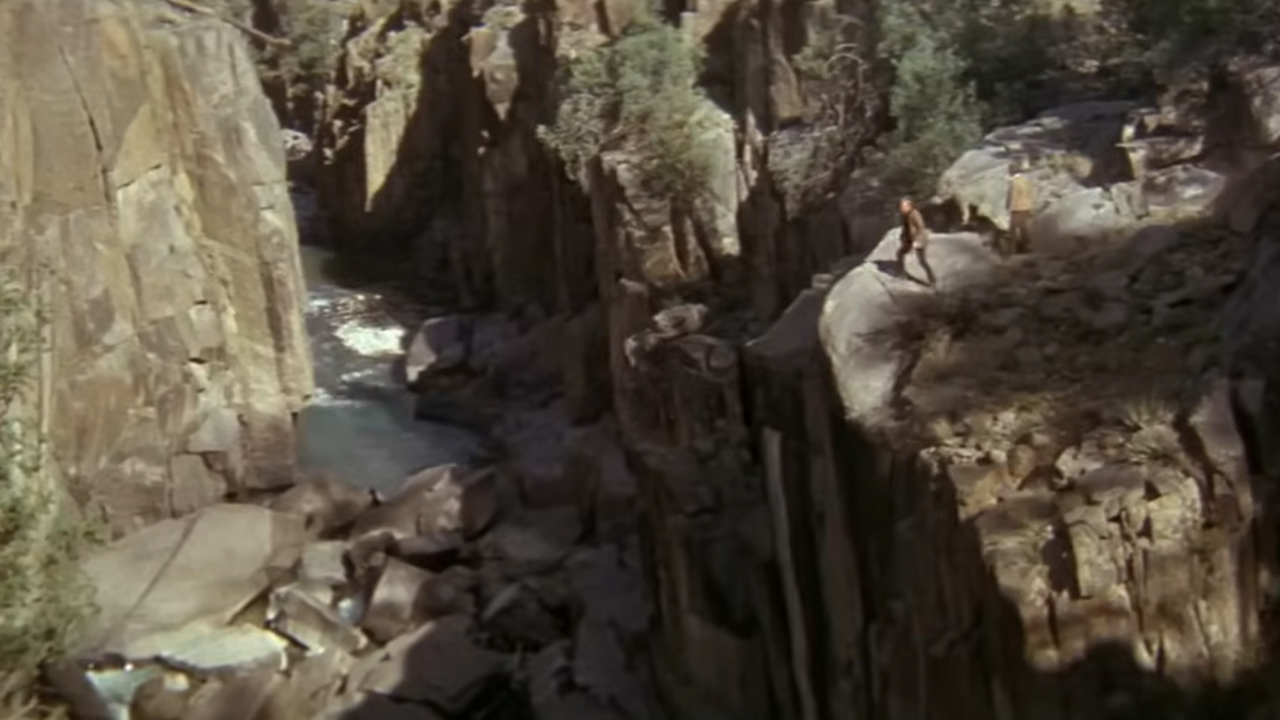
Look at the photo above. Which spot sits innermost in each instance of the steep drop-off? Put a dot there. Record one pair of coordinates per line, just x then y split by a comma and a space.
1032, 494
143, 198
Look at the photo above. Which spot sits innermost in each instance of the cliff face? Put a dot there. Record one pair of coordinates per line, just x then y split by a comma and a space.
1035, 493
144, 201
431, 153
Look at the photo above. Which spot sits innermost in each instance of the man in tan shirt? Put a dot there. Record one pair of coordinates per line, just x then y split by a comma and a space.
1021, 202
914, 236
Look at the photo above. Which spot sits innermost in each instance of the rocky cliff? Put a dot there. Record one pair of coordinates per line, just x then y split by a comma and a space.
1033, 493
145, 206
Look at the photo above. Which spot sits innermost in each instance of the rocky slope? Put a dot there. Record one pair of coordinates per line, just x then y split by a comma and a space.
144, 202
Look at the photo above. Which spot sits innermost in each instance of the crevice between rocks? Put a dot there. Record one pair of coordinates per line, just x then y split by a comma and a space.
104, 175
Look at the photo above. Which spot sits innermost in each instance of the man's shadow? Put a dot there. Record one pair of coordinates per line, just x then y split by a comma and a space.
893, 269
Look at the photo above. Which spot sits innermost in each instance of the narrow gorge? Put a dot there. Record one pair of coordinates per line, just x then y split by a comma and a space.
451, 400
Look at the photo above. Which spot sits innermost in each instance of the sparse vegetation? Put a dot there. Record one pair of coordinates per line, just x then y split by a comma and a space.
1147, 411
313, 29
837, 78
43, 598
933, 103
292, 72
639, 93
1170, 31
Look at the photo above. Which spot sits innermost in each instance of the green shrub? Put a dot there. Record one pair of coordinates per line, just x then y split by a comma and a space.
43, 597
638, 93
1190, 24
312, 29
936, 113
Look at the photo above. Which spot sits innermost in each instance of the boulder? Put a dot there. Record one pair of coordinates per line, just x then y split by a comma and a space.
451, 592
325, 502
608, 582
440, 500
1067, 149
397, 604
536, 537
324, 564
432, 552
310, 622
440, 664
197, 571
517, 615
232, 649
167, 697
242, 696
438, 345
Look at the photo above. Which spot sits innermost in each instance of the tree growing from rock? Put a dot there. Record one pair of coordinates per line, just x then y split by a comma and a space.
639, 94
935, 111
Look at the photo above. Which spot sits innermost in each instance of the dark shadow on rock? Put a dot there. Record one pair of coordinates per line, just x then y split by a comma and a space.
473, 213
889, 267
468, 642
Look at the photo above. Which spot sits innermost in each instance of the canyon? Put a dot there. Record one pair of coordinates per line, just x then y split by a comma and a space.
715, 457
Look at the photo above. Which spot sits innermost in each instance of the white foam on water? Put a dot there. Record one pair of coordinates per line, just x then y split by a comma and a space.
323, 397
318, 302
371, 340
354, 375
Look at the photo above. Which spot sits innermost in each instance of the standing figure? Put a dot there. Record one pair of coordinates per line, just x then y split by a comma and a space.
1021, 202
914, 236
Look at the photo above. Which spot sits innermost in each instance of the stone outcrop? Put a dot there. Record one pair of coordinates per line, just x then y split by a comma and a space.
143, 202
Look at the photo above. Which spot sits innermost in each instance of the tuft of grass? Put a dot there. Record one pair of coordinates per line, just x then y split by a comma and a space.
44, 599
1147, 411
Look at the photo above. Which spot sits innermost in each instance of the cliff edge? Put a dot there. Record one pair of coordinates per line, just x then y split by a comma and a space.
1062, 456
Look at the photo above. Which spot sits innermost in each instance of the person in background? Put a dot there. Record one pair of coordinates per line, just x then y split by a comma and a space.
914, 236
1021, 202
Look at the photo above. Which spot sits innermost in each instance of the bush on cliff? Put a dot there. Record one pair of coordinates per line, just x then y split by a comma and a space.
638, 94
1169, 31
43, 597
936, 113
809, 161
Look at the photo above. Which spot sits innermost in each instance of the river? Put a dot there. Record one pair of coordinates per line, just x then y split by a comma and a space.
360, 424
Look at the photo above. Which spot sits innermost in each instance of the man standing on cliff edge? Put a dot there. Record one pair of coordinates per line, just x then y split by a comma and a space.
1021, 202
913, 236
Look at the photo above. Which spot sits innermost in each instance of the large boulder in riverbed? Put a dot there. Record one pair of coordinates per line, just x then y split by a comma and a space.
441, 664
154, 586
